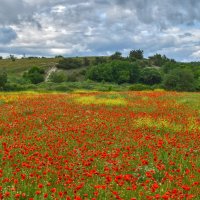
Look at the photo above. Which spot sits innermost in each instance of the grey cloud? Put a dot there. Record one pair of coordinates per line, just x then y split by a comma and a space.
7, 35
100, 26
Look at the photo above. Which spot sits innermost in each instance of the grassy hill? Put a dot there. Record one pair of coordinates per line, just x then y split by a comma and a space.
106, 73
19, 66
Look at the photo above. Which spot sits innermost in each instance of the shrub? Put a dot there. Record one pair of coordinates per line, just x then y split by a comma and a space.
72, 77
14, 87
69, 63
180, 80
3, 79
150, 76
116, 71
35, 75
58, 77
139, 87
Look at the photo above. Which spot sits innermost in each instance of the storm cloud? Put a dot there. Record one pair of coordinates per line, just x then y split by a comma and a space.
100, 27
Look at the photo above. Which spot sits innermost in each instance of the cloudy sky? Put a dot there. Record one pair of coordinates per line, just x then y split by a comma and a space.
100, 27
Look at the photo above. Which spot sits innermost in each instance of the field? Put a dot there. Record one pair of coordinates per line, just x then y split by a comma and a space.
111, 145
19, 66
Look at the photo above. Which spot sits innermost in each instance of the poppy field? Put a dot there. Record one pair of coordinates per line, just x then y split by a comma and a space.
100, 145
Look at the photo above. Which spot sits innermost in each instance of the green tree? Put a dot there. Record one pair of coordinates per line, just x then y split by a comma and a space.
116, 71
12, 57
168, 66
136, 54
134, 72
35, 75
69, 63
180, 80
150, 76
36, 70
116, 56
59, 56
36, 78
158, 60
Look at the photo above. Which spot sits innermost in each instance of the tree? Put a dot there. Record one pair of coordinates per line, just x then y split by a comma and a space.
134, 73
150, 76
116, 71
12, 57
1, 57
35, 75
158, 60
36, 70
3, 79
69, 63
136, 54
59, 56
180, 80
116, 56
36, 78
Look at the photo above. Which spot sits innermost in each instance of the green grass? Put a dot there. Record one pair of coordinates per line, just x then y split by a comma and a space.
19, 66
191, 101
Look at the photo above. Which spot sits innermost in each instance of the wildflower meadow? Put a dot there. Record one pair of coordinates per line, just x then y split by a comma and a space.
100, 145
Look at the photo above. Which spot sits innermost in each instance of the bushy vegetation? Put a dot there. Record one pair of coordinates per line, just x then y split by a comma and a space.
58, 77
3, 79
69, 63
157, 71
115, 71
35, 75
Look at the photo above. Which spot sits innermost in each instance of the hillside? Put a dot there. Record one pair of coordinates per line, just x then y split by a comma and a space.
137, 72
19, 66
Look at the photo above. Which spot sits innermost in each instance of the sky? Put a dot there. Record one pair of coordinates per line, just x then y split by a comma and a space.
100, 27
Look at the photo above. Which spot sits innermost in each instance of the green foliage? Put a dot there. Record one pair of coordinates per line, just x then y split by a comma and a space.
168, 66
116, 56
139, 87
158, 60
86, 62
134, 73
12, 57
136, 54
99, 60
72, 77
180, 80
58, 77
115, 71
150, 76
35, 75
14, 87
69, 63
3, 79
59, 56
36, 70
17, 68
36, 78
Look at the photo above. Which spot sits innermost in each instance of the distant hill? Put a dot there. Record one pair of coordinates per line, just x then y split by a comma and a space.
19, 66
150, 73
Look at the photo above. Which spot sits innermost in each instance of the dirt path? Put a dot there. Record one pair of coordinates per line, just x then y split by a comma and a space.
49, 72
